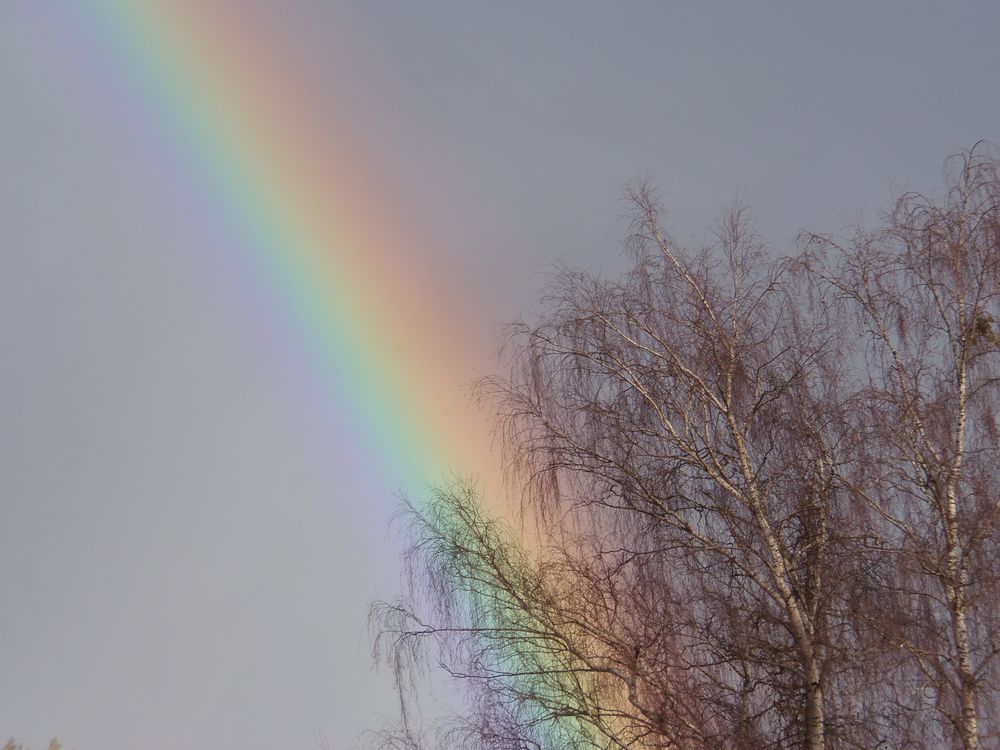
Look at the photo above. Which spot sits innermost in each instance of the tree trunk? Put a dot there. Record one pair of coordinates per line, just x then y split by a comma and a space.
970, 725
815, 729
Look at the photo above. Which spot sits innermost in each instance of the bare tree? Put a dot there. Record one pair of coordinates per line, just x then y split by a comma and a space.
925, 291
755, 529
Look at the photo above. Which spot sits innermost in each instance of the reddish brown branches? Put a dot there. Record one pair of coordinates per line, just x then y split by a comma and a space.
768, 491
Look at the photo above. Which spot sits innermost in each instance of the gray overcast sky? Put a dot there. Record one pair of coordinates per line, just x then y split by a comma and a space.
173, 572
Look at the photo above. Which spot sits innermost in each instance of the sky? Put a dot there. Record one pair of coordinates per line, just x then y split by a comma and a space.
252, 254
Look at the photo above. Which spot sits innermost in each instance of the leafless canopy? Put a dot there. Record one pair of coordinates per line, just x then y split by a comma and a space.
762, 493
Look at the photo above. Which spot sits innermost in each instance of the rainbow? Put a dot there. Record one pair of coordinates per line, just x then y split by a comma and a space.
295, 191
341, 270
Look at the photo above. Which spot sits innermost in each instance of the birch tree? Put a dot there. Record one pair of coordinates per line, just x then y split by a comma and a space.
751, 526
925, 293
